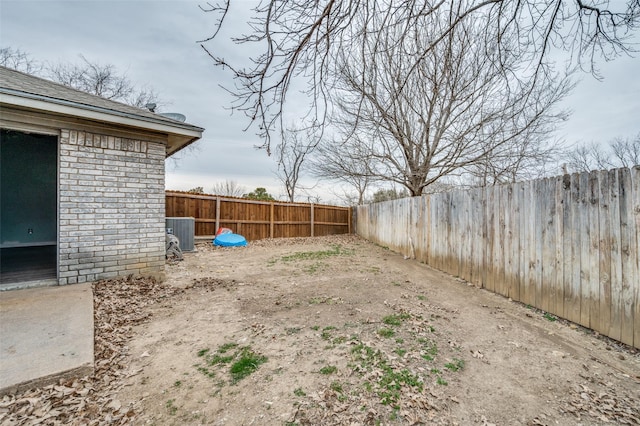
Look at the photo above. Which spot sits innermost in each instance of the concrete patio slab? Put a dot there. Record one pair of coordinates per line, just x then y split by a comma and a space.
46, 333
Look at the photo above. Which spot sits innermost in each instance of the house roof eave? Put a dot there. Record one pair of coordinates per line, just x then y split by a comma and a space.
182, 134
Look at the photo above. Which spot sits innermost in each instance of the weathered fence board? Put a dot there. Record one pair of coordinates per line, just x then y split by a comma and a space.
616, 260
258, 219
568, 245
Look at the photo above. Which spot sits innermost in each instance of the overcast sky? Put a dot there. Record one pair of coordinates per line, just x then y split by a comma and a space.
154, 42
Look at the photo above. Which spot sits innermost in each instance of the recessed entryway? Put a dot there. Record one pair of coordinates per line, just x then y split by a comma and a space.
28, 207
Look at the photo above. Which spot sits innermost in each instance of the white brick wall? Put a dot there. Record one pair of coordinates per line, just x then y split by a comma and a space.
112, 207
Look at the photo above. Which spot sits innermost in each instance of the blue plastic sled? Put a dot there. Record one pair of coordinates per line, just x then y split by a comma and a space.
230, 240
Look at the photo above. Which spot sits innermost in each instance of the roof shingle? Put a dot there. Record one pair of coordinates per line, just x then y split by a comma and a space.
18, 83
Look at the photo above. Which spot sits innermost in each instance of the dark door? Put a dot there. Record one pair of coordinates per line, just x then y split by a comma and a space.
28, 207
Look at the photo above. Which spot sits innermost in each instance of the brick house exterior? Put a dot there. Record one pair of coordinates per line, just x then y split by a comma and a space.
111, 207
109, 182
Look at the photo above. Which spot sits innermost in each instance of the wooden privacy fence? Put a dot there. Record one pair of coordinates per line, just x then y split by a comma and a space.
258, 219
568, 245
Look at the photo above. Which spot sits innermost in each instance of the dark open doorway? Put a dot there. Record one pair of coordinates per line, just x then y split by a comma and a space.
28, 207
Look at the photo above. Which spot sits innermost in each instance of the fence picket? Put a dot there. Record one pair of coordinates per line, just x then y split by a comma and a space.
547, 259
489, 282
558, 283
593, 202
604, 246
628, 255
635, 183
616, 259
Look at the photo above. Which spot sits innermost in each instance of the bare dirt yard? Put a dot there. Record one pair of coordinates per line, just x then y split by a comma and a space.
331, 331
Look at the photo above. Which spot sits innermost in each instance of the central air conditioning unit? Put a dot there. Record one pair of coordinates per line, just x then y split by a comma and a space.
184, 228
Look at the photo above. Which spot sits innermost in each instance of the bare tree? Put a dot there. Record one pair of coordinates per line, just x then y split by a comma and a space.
626, 151
620, 152
464, 105
299, 42
19, 61
292, 154
103, 80
229, 188
588, 157
347, 163
92, 77
530, 158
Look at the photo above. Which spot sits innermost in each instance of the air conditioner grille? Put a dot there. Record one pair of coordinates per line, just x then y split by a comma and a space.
184, 229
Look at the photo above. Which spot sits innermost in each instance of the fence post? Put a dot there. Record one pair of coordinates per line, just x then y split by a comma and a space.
217, 214
312, 225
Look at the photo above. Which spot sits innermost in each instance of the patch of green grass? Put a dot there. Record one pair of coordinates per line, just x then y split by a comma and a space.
386, 332
292, 330
336, 387
326, 332
177, 383
299, 392
421, 297
435, 371
395, 320
247, 363
172, 409
204, 370
335, 250
315, 328
394, 414
441, 381
549, 317
314, 267
338, 340
400, 352
328, 369
430, 350
362, 351
217, 359
243, 360
456, 365
226, 347
389, 381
